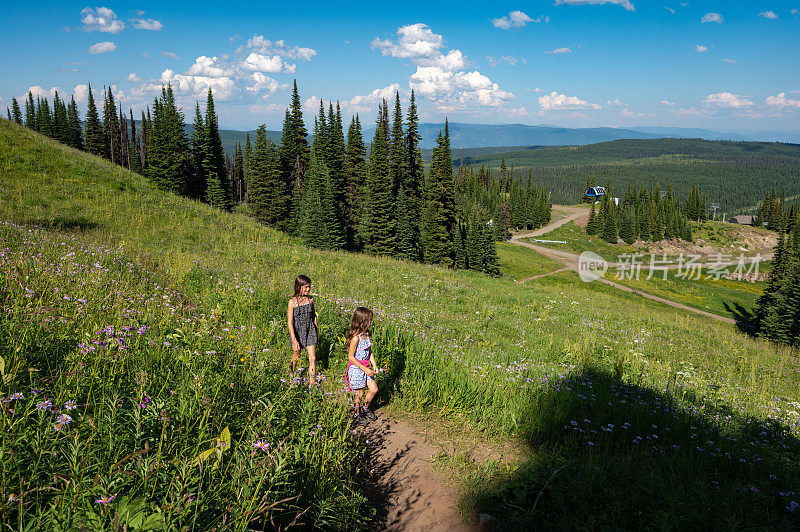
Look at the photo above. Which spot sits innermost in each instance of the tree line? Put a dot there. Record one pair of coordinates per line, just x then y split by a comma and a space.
335, 192
645, 214
775, 212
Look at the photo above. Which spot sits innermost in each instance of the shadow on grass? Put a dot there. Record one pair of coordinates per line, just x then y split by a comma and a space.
609, 455
68, 224
745, 318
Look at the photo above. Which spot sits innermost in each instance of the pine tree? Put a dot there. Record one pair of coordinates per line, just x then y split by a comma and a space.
30, 113
414, 175
16, 113
168, 156
43, 117
217, 193
609, 232
95, 143
592, 225
240, 190
403, 230
269, 195
490, 260
627, 226
378, 221
196, 186
319, 222
356, 175
75, 131
136, 163
336, 164
111, 129
439, 217
60, 125
398, 154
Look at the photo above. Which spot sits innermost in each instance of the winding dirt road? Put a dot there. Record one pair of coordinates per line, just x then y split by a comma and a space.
570, 262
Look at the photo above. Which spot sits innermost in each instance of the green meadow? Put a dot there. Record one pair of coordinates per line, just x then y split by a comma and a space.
156, 324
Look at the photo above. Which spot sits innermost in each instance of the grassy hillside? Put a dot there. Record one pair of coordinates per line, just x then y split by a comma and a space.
734, 174
607, 390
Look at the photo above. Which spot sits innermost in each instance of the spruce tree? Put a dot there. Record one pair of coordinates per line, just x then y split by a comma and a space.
269, 195
169, 162
355, 175
403, 230
30, 113
74, 128
490, 260
136, 163
16, 113
414, 181
378, 222
592, 225
60, 127
319, 225
398, 154
95, 143
609, 232
196, 186
240, 191
439, 217
44, 119
217, 192
111, 129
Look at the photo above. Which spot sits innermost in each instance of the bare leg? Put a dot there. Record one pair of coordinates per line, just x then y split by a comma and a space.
293, 363
373, 389
357, 399
312, 365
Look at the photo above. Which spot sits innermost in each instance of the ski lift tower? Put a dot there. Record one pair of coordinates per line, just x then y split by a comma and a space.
714, 207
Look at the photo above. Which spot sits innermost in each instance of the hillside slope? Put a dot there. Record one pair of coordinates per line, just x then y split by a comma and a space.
511, 360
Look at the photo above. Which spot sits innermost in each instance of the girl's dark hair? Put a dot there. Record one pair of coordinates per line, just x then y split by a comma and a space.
360, 322
299, 282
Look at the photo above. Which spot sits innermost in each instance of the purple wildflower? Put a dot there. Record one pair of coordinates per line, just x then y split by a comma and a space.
44, 405
17, 396
70, 405
105, 499
261, 444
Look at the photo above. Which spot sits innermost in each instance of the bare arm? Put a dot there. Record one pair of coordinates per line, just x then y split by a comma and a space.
372, 361
314, 310
290, 323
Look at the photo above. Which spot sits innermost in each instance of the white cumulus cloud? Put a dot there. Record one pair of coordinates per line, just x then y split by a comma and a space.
222, 87
442, 76
147, 24
102, 47
516, 19
700, 48
624, 3
726, 99
368, 102
768, 14
171, 55
210, 66
561, 102
264, 84
712, 17
264, 46
667, 103
81, 93
559, 51
101, 19
133, 77
264, 63
780, 100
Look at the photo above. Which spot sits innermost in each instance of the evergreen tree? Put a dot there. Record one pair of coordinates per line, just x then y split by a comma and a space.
592, 226
240, 190
196, 186
609, 232
319, 223
30, 113
627, 226
111, 129
378, 221
74, 128
414, 175
95, 143
60, 127
16, 113
43, 117
489, 259
403, 230
439, 217
136, 163
356, 174
269, 195
169, 162
398, 154
217, 193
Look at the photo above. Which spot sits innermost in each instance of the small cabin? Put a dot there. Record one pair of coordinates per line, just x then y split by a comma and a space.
595, 194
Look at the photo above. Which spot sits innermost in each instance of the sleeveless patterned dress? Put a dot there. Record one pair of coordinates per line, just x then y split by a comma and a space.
304, 329
356, 377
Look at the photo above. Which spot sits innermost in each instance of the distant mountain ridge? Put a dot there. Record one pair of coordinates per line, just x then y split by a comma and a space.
510, 135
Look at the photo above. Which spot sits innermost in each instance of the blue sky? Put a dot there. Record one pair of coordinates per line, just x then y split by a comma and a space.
576, 63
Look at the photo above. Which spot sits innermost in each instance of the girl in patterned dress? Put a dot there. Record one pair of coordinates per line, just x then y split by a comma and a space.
302, 320
359, 374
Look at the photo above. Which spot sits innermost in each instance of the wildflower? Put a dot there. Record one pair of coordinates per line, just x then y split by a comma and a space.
13, 498
58, 426
44, 405
105, 499
64, 418
17, 396
36, 391
70, 405
261, 444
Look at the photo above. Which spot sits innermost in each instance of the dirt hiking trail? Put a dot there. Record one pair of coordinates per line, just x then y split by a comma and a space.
407, 492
